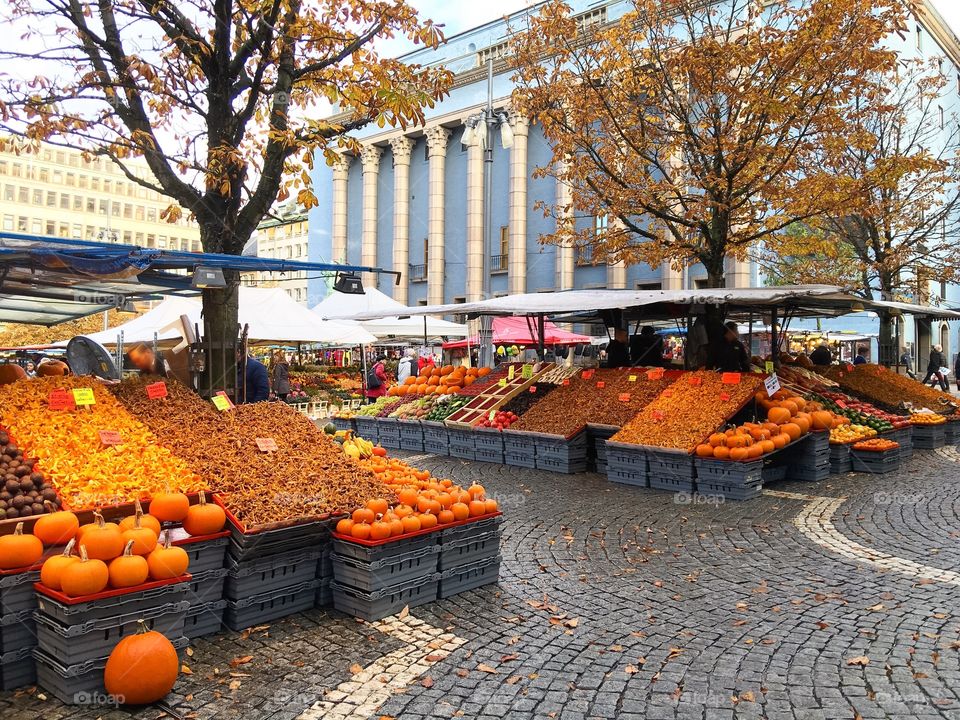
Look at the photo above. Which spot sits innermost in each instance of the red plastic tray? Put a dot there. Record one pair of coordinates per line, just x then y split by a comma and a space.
190, 539
66, 600
386, 541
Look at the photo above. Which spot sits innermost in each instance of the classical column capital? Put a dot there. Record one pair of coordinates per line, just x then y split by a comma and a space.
437, 138
520, 124
370, 157
402, 148
341, 165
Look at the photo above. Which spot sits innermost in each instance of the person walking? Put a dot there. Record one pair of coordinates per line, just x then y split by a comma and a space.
376, 380
934, 364
280, 375
408, 366
906, 359
956, 370
253, 380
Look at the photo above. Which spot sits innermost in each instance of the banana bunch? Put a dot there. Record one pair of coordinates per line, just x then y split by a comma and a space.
357, 448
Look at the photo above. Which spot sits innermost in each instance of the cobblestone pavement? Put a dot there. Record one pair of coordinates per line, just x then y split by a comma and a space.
617, 602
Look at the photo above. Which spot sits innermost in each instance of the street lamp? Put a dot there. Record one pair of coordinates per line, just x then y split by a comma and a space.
479, 131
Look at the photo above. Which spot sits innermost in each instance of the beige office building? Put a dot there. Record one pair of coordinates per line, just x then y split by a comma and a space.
57, 192
284, 237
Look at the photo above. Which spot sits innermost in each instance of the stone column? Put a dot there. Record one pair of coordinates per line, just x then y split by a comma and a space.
338, 239
402, 147
565, 253
518, 205
370, 156
670, 279
475, 230
737, 273
437, 138
617, 271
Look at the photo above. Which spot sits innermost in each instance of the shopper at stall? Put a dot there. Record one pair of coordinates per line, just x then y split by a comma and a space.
861, 358
646, 348
147, 361
376, 380
934, 364
731, 354
821, 356
408, 366
280, 375
618, 354
253, 384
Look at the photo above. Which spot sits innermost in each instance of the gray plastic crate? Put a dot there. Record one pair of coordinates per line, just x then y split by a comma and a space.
383, 603
488, 455
728, 472
410, 430
206, 587
469, 549
325, 564
255, 545
729, 491
17, 631
80, 684
271, 573
566, 450
951, 432
388, 433
519, 442
205, 619
488, 439
16, 592
394, 570
929, 437
839, 458
520, 459
464, 452
367, 428
343, 423
206, 554
265, 607
435, 447
370, 553
558, 465
773, 473
815, 474
627, 477
325, 593
468, 530
671, 484
664, 465
875, 462
627, 458
434, 432
469, 577
74, 644
125, 604
412, 445
17, 669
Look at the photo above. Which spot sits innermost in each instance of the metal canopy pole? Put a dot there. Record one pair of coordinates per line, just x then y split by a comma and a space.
774, 340
485, 358
540, 329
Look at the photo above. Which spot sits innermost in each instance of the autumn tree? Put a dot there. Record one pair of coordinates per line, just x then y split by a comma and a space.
804, 254
900, 169
218, 96
702, 127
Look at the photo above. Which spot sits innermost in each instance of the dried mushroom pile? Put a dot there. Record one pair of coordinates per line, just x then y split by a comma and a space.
889, 389
308, 475
685, 413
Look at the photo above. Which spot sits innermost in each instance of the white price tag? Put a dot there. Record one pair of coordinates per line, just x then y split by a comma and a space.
772, 384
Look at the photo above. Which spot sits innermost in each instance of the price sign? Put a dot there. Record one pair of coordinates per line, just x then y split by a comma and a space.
84, 396
587, 374
533, 389
768, 366
492, 415
730, 378
61, 400
667, 393
624, 397
526, 372
724, 396
221, 402
655, 374
695, 381
601, 384
632, 378
266, 445
772, 384
658, 415
841, 404
156, 390
566, 381
110, 437
503, 382
510, 372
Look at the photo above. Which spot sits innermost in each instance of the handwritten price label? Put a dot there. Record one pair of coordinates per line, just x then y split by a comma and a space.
156, 390
730, 378
601, 384
511, 372
110, 437
587, 374
221, 402
566, 382
667, 393
533, 389
772, 384
266, 445
724, 396
84, 396
503, 382
695, 381
624, 397
768, 366
61, 400
655, 374
658, 415
841, 404
632, 378
526, 372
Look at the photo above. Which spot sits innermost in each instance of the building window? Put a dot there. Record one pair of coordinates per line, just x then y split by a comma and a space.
44, 175
139, 239
51, 199
90, 232
24, 195
103, 207
115, 209
51, 227
943, 289
139, 213
22, 223
94, 183
91, 205
83, 181
127, 237
77, 202
61, 157
649, 286
151, 214
8, 193
499, 263
38, 197
64, 230
78, 231
151, 240
71, 180
127, 210
426, 251
64, 201
16, 170
36, 227
8, 222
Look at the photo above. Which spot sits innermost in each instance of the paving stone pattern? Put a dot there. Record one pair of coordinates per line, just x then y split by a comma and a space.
617, 602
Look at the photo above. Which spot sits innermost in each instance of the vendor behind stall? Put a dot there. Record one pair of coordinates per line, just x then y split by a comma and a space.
618, 354
147, 361
731, 354
822, 356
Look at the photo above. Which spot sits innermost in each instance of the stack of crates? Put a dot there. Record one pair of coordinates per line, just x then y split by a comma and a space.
436, 439
374, 579
519, 449
627, 464
597, 436
808, 459
951, 432
469, 556
867, 461
18, 632
207, 567
840, 458
929, 437
75, 636
388, 433
462, 443
273, 573
669, 469
367, 427
411, 435
488, 443
729, 479
563, 455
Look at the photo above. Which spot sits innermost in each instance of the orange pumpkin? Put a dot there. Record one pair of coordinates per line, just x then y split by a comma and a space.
344, 526
738, 454
204, 518
53, 566
103, 540
754, 451
718, 440
147, 521
56, 528
779, 415
141, 539
128, 570
52, 368
18, 550
791, 429
460, 510
822, 419
87, 577
10, 373
803, 420
705, 450
142, 668
721, 452
767, 446
780, 440
411, 523
167, 561
169, 506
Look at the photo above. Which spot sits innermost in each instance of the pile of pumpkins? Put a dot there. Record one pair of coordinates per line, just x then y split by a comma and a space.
788, 418
446, 380
101, 555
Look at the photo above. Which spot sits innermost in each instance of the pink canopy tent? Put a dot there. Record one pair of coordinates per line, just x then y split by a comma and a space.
523, 331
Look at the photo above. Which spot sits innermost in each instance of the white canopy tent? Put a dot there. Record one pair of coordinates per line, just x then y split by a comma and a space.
271, 314
395, 323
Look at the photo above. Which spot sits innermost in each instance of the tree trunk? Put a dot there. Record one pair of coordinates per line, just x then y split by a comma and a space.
714, 313
888, 351
220, 334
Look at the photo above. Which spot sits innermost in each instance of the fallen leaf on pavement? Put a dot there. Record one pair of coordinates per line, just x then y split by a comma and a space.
860, 660
238, 661
355, 668
483, 667
185, 669
427, 682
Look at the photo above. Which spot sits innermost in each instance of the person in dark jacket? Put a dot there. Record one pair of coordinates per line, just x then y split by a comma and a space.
280, 375
731, 354
254, 385
379, 371
861, 358
934, 364
821, 356
618, 354
646, 348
